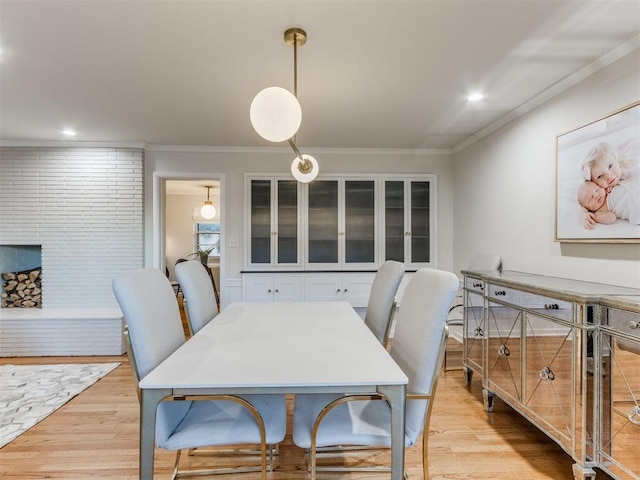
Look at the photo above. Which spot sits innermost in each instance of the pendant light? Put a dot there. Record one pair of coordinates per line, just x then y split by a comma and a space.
208, 211
276, 114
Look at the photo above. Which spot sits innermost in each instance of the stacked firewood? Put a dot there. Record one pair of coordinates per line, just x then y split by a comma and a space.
22, 289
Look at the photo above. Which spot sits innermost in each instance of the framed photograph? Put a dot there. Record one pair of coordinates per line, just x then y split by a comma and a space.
598, 180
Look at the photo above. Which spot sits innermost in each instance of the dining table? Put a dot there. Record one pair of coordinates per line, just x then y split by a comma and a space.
287, 347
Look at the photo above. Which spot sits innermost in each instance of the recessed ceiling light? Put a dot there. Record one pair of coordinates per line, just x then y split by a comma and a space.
68, 132
475, 97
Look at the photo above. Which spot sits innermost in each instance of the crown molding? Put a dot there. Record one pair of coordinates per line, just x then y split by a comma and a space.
560, 86
70, 144
283, 150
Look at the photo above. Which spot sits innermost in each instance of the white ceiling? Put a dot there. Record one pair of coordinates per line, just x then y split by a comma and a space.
373, 74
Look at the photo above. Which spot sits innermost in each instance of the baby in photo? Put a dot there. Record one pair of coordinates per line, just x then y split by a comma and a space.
611, 189
601, 207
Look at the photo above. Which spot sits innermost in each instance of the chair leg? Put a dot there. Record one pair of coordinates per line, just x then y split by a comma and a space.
425, 455
174, 475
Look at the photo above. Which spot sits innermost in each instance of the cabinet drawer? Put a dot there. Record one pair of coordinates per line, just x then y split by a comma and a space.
474, 284
621, 321
549, 306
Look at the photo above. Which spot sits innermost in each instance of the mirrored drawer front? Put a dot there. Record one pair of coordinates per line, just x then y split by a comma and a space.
621, 321
474, 284
553, 307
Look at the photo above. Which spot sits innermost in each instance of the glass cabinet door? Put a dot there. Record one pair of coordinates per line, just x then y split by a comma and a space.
359, 221
260, 222
287, 221
322, 219
274, 222
394, 231
408, 221
420, 220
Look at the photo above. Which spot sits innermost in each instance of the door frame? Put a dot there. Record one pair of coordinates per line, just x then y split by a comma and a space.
159, 212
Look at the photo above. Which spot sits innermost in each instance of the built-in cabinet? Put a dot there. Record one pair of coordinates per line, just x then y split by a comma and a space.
408, 221
273, 288
545, 347
352, 287
273, 223
339, 223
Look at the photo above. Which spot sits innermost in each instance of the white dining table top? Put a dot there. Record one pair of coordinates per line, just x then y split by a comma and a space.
284, 346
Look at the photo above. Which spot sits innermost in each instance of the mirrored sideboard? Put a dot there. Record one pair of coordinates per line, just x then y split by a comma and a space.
563, 353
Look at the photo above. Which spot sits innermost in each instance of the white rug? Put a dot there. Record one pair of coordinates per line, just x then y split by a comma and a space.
29, 393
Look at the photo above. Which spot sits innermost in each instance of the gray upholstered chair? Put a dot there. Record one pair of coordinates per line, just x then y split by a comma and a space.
153, 332
323, 420
199, 296
382, 300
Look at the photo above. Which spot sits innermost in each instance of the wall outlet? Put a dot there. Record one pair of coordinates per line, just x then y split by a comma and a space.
234, 242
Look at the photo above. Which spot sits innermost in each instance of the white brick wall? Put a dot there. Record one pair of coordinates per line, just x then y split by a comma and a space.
84, 206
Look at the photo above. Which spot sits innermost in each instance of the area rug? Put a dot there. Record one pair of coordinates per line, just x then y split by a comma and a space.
29, 393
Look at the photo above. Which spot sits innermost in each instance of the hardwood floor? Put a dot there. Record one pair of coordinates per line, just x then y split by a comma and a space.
95, 435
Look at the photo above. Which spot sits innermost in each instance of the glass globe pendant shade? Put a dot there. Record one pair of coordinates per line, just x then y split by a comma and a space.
305, 170
275, 114
208, 211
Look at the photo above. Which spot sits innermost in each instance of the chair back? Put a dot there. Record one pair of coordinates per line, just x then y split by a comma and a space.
418, 346
199, 296
382, 303
152, 316
485, 261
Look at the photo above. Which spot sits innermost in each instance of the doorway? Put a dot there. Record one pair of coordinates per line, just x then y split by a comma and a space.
186, 230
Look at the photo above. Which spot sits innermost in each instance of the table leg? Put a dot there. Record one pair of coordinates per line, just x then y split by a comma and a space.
396, 394
150, 398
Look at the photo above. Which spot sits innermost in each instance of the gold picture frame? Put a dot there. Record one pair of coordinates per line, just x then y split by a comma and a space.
598, 180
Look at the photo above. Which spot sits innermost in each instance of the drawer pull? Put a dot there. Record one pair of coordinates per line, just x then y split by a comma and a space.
477, 285
547, 374
551, 306
500, 293
504, 351
633, 325
478, 332
634, 415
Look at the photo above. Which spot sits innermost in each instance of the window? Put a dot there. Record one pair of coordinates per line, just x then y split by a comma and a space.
207, 235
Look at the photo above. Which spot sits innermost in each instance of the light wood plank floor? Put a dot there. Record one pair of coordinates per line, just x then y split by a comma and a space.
95, 435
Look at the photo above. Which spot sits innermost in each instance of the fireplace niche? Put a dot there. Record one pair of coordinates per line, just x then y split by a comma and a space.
21, 276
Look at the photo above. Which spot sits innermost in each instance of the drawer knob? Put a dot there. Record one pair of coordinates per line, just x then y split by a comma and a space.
504, 351
634, 415
477, 285
551, 306
500, 293
547, 374
633, 325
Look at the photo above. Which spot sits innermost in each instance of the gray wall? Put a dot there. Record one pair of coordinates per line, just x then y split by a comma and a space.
505, 186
